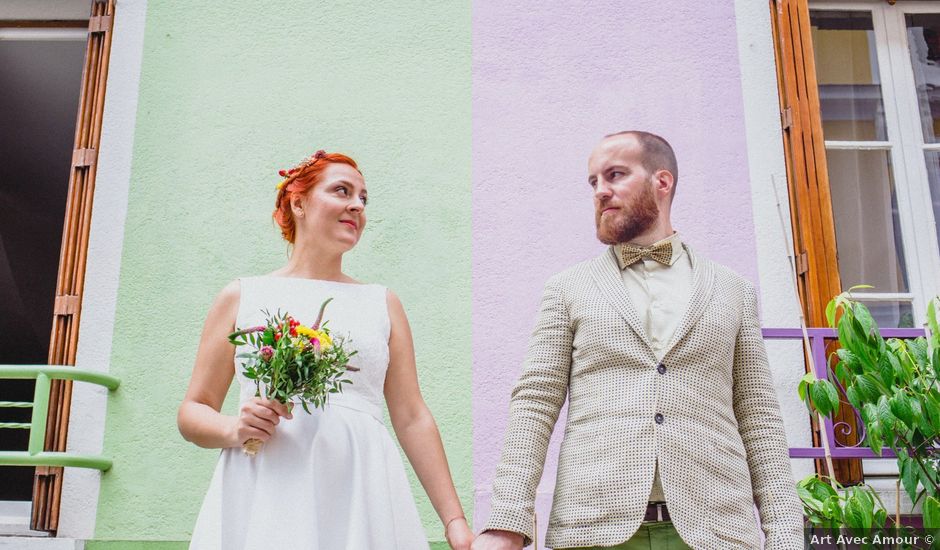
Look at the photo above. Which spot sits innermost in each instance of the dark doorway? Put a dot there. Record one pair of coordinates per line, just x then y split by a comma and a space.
40, 81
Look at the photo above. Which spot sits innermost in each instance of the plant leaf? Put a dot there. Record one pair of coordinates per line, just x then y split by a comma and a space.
873, 437
907, 470
885, 416
831, 313
881, 518
932, 323
865, 321
825, 397
900, 406
807, 379
854, 398
867, 390
931, 513
885, 369
856, 516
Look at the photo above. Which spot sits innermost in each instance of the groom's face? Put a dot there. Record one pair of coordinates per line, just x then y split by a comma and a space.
624, 203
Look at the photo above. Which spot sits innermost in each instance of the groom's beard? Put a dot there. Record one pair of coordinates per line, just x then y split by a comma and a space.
630, 221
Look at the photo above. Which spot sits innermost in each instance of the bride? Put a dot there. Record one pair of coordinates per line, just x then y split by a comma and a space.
332, 479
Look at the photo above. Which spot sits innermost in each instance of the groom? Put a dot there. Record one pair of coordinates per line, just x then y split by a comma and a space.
673, 432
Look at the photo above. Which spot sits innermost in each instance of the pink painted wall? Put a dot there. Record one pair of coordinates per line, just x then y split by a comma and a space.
548, 82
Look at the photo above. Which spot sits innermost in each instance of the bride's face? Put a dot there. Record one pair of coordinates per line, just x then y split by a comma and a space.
333, 211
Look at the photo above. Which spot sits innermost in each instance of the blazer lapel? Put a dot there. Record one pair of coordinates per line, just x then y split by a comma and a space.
703, 278
606, 273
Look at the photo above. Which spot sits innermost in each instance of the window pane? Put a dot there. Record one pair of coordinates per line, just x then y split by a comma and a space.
933, 177
864, 209
923, 39
892, 314
847, 74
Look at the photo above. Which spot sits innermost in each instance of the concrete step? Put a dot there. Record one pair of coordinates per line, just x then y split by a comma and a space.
15, 533
39, 543
14, 519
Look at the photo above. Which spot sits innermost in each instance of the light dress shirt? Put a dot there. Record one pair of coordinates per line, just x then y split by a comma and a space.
660, 293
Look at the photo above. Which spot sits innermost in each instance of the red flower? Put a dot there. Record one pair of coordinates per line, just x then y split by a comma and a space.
277, 336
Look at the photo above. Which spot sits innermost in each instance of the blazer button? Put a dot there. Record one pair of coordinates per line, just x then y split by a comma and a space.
659, 418
661, 368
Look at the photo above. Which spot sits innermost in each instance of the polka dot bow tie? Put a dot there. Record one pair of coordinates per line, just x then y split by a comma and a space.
631, 254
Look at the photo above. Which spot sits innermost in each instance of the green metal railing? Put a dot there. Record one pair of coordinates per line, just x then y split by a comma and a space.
35, 455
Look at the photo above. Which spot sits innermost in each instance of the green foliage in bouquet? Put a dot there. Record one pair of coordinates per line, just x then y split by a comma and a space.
291, 360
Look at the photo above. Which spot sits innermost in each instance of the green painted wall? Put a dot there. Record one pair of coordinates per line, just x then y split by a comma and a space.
230, 92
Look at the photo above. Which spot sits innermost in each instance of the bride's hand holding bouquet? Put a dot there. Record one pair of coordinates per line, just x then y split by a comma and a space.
288, 362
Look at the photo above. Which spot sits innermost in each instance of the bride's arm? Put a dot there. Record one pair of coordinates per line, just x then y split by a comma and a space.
416, 430
199, 419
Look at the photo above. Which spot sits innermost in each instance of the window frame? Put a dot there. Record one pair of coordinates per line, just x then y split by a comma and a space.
905, 145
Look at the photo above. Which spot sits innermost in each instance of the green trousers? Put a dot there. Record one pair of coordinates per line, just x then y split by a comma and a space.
659, 535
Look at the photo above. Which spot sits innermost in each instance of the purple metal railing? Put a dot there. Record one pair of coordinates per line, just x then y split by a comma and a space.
817, 338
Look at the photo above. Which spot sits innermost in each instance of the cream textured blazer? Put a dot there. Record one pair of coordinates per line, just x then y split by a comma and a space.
708, 411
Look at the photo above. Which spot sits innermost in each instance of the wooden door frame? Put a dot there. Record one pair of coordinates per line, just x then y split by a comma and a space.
47, 487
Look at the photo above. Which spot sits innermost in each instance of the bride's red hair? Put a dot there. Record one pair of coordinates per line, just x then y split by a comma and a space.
299, 182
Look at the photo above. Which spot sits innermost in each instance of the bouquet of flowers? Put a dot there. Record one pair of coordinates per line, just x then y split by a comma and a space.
291, 360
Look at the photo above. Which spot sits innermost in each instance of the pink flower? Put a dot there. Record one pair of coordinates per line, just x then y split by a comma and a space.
267, 352
244, 331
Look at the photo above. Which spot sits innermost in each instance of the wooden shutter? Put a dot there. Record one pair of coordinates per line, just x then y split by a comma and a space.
47, 487
814, 235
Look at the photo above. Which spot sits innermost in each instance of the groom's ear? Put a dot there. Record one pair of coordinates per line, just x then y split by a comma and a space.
663, 182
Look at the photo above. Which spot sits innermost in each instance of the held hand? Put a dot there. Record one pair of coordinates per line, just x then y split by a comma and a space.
257, 419
458, 534
498, 540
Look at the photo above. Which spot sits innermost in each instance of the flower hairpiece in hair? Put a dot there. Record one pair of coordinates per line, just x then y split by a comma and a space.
289, 174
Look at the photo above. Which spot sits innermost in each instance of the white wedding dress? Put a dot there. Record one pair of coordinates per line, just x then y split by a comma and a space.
330, 480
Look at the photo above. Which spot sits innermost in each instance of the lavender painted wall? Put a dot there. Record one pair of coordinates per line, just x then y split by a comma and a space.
546, 86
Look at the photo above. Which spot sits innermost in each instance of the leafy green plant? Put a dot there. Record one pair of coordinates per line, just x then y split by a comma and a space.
893, 384
857, 508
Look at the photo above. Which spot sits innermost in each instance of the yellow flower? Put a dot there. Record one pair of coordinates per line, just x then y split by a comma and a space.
318, 335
